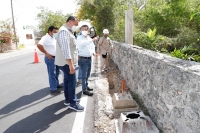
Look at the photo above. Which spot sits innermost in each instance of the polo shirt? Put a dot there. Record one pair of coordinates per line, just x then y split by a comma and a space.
49, 44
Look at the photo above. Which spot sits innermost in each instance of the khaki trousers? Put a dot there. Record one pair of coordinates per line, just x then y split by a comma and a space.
104, 62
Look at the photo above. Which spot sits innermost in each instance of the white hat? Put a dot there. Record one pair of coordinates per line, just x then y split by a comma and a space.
105, 31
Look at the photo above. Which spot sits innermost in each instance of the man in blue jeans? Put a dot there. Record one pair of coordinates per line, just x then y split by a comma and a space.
86, 49
67, 59
47, 45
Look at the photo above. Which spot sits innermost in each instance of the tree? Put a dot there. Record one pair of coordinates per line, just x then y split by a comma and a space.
99, 12
49, 18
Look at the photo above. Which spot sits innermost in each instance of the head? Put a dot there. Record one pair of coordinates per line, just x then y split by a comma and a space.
52, 30
105, 33
72, 21
84, 30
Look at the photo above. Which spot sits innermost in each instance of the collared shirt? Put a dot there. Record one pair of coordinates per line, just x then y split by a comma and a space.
49, 44
64, 38
85, 45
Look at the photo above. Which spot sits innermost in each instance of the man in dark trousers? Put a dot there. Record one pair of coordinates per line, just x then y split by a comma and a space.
86, 49
67, 59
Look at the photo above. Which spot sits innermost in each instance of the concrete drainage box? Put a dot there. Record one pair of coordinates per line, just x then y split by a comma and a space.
135, 122
123, 103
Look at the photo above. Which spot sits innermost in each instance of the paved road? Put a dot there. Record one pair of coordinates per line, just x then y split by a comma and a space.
26, 106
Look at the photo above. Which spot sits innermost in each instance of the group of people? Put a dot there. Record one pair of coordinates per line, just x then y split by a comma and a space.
64, 51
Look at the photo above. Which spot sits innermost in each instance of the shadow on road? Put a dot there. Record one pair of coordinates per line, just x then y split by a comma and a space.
24, 100
39, 121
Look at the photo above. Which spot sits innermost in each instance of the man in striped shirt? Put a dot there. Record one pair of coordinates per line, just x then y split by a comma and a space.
67, 59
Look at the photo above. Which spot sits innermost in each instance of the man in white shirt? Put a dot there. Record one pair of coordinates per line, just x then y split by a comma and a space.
86, 49
47, 45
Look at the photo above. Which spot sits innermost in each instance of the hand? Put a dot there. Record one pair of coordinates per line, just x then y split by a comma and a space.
71, 69
48, 56
94, 39
96, 55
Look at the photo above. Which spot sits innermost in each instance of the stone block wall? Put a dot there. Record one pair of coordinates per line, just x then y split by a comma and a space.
169, 87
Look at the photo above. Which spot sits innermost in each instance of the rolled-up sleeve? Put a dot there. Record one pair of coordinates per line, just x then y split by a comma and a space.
64, 38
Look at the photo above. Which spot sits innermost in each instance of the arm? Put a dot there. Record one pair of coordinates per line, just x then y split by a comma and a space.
82, 43
64, 38
98, 45
41, 48
93, 48
111, 44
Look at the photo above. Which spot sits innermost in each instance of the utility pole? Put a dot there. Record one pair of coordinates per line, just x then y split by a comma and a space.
129, 23
14, 24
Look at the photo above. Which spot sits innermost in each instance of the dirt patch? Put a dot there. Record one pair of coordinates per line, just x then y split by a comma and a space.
108, 83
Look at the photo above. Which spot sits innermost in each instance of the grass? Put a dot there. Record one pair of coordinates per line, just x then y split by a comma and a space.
21, 46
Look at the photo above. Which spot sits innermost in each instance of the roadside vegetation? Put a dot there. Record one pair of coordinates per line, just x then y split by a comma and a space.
168, 26
47, 18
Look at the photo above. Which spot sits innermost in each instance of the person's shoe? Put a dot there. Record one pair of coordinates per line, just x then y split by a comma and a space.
78, 84
67, 102
89, 89
78, 100
88, 93
55, 91
59, 86
80, 81
77, 107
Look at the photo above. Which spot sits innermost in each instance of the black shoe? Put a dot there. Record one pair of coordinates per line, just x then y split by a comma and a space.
55, 91
88, 93
89, 89
59, 86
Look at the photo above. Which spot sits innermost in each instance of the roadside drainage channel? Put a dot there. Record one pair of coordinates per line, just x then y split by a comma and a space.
114, 111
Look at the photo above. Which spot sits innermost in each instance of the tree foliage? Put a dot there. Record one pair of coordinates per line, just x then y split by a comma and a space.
160, 25
49, 18
99, 12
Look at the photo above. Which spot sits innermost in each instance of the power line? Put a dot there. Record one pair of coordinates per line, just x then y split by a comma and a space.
25, 8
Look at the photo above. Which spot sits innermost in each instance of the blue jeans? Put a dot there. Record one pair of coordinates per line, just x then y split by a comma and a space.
85, 66
79, 74
53, 73
69, 84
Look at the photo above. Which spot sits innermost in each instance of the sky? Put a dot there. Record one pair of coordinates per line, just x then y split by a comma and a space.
25, 11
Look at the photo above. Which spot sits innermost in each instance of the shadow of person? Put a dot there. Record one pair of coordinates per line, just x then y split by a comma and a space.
39, 121
24, 100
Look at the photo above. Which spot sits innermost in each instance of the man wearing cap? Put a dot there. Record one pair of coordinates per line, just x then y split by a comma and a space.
47, 45
103, 47
67, 60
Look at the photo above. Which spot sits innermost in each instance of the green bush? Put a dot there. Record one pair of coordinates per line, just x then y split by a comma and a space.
179, 54
152, 41
196, 58
185, 37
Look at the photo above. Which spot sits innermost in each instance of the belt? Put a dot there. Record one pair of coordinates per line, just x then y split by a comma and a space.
85, 57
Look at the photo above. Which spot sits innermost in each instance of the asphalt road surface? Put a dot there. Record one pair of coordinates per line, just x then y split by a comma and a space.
26, 105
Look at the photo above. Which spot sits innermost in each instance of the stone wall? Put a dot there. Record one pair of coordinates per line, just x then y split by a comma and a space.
169, 87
